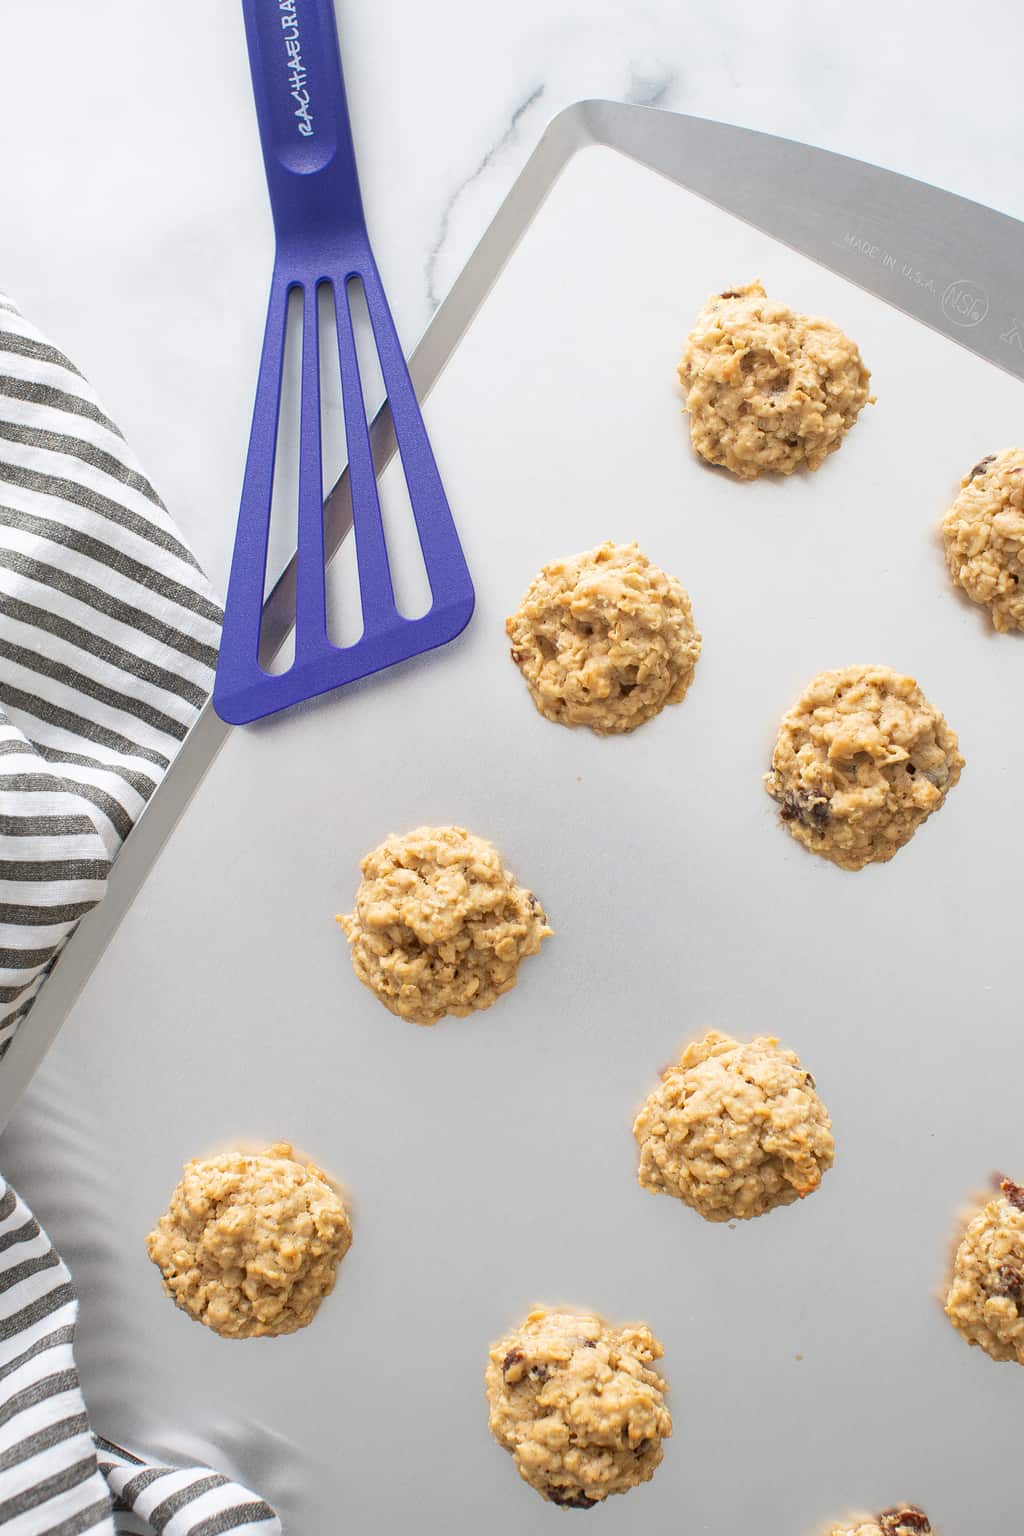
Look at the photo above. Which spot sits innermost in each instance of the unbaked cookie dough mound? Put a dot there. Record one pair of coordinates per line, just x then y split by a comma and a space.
983, 535
578, 1405
902, 1520
862, 759
768, 389
604, 639
440, 925
986, 1296
250, 1245
734, 1130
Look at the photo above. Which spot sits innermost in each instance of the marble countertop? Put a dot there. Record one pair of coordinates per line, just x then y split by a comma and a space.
136, 229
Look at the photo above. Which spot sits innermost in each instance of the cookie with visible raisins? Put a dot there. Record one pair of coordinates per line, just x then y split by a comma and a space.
901, 1520
604, 639
983, 537
578, 1405
767, 389
861, 760
985, 1302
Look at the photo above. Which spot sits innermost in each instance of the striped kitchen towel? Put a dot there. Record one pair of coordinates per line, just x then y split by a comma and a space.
57, 1478
108, 643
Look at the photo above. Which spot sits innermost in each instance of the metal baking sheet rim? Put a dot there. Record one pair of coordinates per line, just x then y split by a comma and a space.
937, 256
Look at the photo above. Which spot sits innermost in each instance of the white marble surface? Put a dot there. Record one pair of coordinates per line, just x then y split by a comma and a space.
135, 226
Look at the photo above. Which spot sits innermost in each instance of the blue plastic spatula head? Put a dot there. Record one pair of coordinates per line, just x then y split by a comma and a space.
322, 239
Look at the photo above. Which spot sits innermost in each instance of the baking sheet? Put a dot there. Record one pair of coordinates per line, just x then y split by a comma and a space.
490, 1159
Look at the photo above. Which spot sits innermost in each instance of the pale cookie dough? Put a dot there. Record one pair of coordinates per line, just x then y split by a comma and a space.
578, 1405
902, 1520
983, 535
249, 1245
862, 759
604, 639
734, 1130
440, 924
768, 389
986, 1296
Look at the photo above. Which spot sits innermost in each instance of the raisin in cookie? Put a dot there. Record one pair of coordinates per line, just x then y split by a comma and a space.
440, 925
901, 1520
986, 1296
861, 760
249, 1245
604, 639
734, 1130
983, 535
578, 1405
768, 389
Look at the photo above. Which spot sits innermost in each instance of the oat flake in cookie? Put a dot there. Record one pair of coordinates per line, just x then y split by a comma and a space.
861, 760
901, 1520
604, 639
578, 1405
440, 925
768, 389
249, 1245
734, 1130
983, 536
986, 1295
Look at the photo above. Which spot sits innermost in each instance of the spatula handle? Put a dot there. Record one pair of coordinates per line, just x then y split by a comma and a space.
303, 119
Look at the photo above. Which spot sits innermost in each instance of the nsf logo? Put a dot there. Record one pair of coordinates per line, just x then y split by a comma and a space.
965, 303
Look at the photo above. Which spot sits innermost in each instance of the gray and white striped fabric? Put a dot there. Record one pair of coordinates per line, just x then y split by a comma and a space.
108, 643
56, 1477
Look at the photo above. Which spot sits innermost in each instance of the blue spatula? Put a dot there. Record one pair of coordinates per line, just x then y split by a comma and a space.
322, 239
